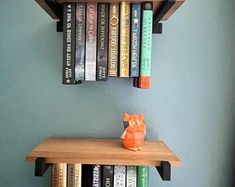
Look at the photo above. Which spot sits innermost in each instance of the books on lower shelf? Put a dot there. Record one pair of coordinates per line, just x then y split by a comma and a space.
104, 40
78, 175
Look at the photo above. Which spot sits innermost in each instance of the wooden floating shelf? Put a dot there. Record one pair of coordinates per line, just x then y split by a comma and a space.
101, 151
163, 9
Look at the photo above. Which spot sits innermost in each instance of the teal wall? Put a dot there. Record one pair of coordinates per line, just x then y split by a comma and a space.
191, 104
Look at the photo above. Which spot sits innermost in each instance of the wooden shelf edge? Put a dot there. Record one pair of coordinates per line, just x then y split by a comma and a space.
67, 153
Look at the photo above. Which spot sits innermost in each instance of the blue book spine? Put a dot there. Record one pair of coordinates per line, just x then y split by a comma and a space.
135, 39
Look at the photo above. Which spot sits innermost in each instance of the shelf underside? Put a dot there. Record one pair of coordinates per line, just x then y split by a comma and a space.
53, 12
101, 151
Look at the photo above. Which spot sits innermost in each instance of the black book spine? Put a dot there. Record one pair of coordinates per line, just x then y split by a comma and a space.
87, 175
96, 182
107, 177
102, 44
69, 43
80, 41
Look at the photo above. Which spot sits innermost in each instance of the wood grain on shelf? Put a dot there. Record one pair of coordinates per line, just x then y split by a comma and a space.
44, 6
101, 151
156, 5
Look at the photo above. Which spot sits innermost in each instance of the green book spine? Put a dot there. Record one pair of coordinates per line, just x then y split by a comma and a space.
143, 176
146, 43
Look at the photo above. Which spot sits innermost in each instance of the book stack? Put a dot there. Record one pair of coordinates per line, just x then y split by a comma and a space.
104, 40
77, 175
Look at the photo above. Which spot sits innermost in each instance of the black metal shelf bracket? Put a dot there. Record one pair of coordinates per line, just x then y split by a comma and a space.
164, 170
40, 166
165, 7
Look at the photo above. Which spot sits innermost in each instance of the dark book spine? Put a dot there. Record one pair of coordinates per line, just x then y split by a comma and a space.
135, 39
87, 173
102, 44
80, 41
69, 43
91, 42
107, 177
96, 182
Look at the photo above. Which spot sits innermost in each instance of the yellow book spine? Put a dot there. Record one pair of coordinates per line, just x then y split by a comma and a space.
124, 39
59, 175
74, 175
113, 39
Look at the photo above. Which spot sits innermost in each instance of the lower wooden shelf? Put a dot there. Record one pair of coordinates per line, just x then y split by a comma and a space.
103, 152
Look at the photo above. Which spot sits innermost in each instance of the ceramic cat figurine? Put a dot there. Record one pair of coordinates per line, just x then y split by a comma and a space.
135, 131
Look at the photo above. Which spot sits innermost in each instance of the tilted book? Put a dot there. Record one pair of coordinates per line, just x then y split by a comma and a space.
102, 43
119, 178
135, 39
124, 52
80, 41
131, 177
146, 45
59, 175
143, 176
69, 43
91, 42
113, 40
107, 176
74, 175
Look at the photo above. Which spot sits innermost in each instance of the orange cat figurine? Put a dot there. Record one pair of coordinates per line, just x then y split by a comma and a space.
135, 131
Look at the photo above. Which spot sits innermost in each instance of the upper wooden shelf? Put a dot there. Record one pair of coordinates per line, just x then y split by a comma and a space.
163, 9
101, 151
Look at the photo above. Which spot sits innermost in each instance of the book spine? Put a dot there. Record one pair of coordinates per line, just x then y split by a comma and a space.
102, 48
124, 39
87, 175
58, 175
146, 45
119, 176
143, 176
91, 42
80, 41
107, 177
135, 38
113, 40
69, 43
131, 177
74, 175
96, 182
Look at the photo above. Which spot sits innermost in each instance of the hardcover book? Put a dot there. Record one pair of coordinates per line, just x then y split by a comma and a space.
113, 40
96, 182
146, 46
91, 42
131, 177
102, 48
119, 176
58, 175
124, 39
143, 176
135, 38
87, 175
74, 175
69, 43
80, 41
107, 177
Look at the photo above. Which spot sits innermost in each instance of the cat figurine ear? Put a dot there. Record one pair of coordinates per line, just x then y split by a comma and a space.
134, 131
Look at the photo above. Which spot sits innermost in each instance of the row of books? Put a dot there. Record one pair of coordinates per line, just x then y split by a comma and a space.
104, 40
77, 175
